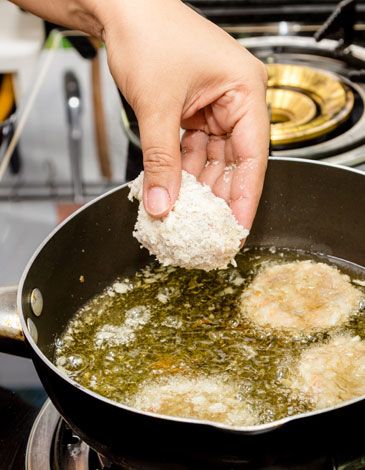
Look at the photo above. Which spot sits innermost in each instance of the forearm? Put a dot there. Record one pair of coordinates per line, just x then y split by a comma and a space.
82, 15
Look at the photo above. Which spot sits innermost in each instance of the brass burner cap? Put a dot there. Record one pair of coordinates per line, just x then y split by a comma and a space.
305, 102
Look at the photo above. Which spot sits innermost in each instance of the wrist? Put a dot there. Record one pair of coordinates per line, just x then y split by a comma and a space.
129, 16
86, 15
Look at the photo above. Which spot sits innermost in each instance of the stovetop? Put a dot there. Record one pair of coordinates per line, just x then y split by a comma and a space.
17, 415
269, 11
38, 439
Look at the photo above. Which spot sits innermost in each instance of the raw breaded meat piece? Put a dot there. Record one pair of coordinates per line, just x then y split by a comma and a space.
200, 231
328, 374
204, 398
300, 297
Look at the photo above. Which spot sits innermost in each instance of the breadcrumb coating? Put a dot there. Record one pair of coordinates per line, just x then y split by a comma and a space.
200, 232
300, 297
328, 374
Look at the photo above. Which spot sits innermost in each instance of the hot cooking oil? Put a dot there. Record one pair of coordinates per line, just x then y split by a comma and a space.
168, 322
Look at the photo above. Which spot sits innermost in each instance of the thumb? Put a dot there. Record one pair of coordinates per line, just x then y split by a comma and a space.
160, 139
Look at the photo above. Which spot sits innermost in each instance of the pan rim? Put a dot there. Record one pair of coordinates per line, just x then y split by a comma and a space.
253, 429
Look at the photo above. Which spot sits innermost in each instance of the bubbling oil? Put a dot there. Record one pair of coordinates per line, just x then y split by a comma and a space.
169, 325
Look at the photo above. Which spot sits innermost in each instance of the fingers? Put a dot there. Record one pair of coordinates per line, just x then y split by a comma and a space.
215, 161
233, 167
195, 122
213, 124
248, 181
160, 139
207, 159
194, 151
220, 165
250, 144
222, 187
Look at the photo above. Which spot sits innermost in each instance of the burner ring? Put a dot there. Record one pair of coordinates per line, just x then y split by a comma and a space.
289, 108
326, 102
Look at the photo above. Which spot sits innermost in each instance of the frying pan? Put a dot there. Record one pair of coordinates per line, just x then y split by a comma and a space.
305, 204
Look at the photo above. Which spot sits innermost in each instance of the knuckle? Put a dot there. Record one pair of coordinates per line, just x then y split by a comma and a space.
186, 150
157, 160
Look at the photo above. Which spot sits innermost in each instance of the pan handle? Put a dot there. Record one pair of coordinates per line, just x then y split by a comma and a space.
11, 333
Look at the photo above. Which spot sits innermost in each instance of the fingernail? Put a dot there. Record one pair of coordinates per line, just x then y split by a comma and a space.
158, 201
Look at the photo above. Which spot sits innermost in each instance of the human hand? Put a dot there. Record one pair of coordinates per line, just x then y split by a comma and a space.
176, 69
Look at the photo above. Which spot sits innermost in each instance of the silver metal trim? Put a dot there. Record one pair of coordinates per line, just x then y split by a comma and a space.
10, 325
32, 330
39, 446
36, 302
273, 28
40, 438
299, 41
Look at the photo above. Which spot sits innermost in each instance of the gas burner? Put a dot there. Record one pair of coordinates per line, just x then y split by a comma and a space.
336, 444
305, 103
53, 445
317, 107
39, 454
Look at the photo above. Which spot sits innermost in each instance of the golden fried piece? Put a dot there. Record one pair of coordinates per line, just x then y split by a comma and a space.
328, 374
204, 398
300, 297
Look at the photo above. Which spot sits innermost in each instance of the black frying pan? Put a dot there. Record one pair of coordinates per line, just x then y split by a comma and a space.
305, 204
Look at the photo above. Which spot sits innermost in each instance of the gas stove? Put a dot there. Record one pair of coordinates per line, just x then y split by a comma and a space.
42, 440
316, 97
315, 54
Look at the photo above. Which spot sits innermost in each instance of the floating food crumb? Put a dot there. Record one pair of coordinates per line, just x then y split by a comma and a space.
135, 319
207, 398
122, 287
